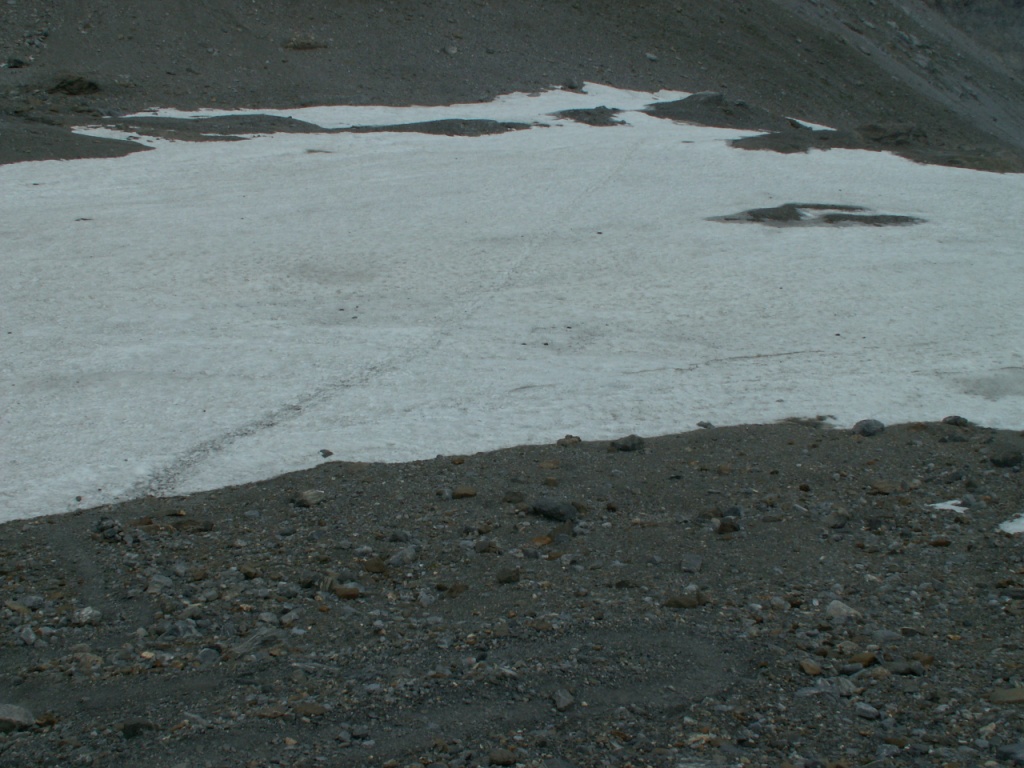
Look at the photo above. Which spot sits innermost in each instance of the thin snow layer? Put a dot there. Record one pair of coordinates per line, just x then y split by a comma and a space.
213, 313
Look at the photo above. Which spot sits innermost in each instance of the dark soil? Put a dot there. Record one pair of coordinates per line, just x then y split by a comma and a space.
842, 63
766, 596
818, 214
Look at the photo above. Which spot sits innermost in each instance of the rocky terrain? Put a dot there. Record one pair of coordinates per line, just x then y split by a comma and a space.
772, 595
767, 595
944, 77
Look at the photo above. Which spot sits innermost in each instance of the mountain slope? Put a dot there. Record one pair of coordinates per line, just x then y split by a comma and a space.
843, 63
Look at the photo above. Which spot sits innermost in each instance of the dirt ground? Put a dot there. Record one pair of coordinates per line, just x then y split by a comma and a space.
770, 595
876, 69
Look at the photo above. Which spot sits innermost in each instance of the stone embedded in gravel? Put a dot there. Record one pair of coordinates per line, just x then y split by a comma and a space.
905, 667
868, 428
883, 636
563, 700
309, 498
347, 591
508, 575
691, 597
130, 729
13, 718
628, 443
557, 762
864, 658
553, 509
501, 756
728, 525
26, 634
837, 609
1006, 459
1007, 696
956, 421
866, 711
309, 709
404, 556
837, 519
690, 563
1012, 752
463, 492
486, 546
208, 656
248, 570
811, 668
180, 630
883, 488
568, 440
259, 638
87, 616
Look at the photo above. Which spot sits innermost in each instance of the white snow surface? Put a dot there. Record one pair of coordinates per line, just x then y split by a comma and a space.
206, 314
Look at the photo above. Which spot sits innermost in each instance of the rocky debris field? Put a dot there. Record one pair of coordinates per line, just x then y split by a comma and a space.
938, 82
786, 595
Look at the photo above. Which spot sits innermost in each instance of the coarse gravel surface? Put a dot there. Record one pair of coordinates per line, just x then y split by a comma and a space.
760, 595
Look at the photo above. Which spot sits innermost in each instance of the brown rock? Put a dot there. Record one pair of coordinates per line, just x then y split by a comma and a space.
691, 598
508, 575
501, 756
464, 492
272, 713
1007, 696
809, 667
883, 488
728, 525
347, 591
864, 658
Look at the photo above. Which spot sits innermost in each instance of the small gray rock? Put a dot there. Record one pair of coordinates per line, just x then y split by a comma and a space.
866, 711
563, 700
404, 556
956, 421
556, 762
906, 668
728, 524
553, 509
208, 656
629, 443
837, 609
1006, 459
1014, 753
180, 630
501, 756
868, 428
508, 575
14, 718
26, 634
691, 563
136, 727
309, 498
87, 615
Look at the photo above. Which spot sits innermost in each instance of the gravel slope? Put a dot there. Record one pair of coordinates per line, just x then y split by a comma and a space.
843, 63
